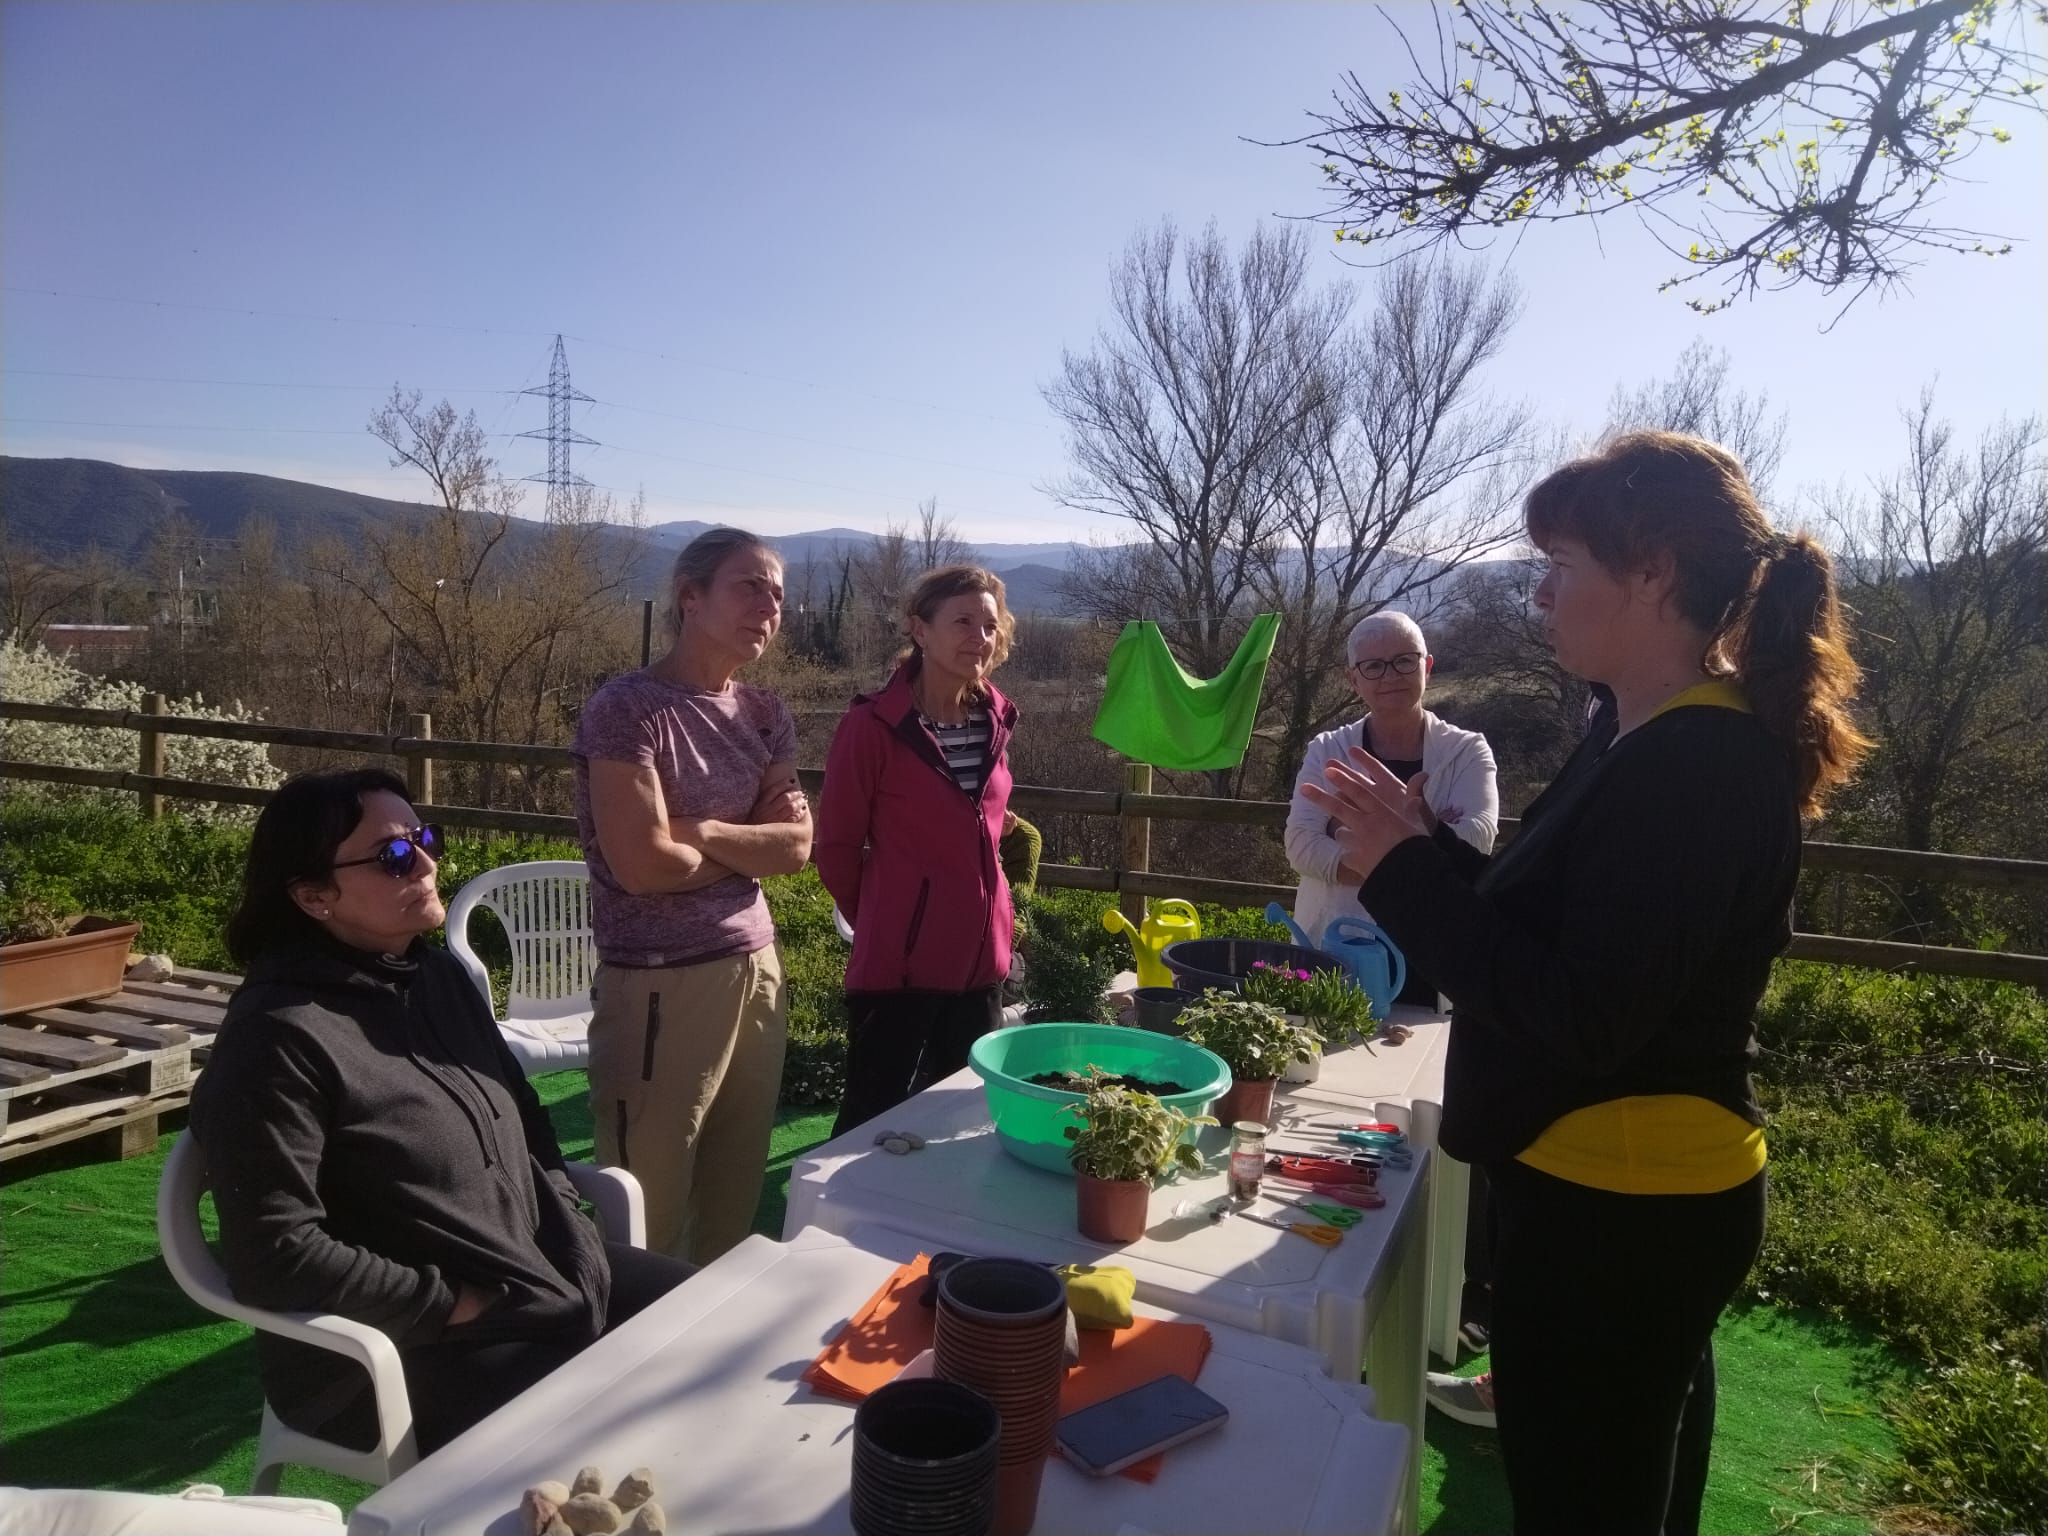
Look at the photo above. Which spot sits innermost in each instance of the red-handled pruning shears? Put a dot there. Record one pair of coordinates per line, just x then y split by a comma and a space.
1322, 1170
1363, 1196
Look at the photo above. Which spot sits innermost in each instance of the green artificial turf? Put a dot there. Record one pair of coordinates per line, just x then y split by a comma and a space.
1795, 1434
114, 1380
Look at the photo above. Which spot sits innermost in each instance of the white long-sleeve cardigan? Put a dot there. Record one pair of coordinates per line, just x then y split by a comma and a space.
1461, 790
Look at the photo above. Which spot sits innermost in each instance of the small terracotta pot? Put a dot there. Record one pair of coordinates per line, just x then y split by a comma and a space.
1246, 1100
1111, 1210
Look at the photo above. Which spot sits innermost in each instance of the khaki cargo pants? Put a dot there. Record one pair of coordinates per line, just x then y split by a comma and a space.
685, 1070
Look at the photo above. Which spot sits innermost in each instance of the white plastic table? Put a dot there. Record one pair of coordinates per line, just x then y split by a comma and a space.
1404, 1084
703, 1390
1362, 1301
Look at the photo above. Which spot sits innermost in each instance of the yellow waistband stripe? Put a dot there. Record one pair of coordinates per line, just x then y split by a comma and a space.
1651, 1144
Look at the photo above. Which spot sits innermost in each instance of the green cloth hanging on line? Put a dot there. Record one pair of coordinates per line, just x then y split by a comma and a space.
1153, 712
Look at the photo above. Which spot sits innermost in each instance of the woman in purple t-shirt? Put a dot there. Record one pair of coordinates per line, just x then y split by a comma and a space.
686, 795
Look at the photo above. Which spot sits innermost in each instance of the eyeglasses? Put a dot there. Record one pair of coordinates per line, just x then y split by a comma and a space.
399, 856
1407, 664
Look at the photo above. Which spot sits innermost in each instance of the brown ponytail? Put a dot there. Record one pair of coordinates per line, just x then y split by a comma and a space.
1766, 599
1789, 647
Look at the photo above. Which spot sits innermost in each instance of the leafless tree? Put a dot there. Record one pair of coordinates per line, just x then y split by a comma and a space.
1179, 419
1945, 570
37, 591
934, 540
1403, 472
490, 615
1764, 143
1699, 398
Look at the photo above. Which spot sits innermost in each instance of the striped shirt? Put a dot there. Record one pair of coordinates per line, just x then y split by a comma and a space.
965, 747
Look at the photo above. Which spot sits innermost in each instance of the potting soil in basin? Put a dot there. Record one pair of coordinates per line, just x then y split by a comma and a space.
1031, 1121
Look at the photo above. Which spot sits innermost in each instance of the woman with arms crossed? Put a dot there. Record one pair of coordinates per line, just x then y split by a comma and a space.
686, 796
1606, 965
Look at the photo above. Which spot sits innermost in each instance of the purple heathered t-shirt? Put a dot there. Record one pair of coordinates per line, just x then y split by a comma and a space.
710, 750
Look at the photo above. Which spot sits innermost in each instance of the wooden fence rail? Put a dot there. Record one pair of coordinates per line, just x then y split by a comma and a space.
1133, 808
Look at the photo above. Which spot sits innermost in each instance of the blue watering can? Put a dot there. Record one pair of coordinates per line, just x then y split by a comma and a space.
1367, 952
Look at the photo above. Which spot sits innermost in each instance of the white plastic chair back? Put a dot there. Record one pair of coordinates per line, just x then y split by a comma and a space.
199, 1276
544, 908
621, 1216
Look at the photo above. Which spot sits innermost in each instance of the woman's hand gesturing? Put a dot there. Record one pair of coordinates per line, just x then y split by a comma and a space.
1373, 809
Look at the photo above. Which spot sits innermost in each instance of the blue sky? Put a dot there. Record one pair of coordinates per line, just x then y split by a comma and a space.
816, 260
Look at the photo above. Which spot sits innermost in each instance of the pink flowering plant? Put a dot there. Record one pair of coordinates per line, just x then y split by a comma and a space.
1334, 1005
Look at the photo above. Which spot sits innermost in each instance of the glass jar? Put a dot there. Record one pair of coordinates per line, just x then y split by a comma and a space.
1247, 1158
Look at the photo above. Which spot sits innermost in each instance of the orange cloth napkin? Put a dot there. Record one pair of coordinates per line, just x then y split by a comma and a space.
892, 1329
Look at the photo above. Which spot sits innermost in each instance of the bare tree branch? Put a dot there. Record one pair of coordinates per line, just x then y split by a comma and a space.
1763, 145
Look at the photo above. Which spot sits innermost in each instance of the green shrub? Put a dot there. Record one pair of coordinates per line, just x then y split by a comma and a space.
1973, 1442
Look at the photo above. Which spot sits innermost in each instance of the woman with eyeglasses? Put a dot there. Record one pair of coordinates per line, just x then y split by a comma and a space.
373, 1147
1449, 774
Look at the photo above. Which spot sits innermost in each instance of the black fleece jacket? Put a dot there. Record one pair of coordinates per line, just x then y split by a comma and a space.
372, 1145
1619, 944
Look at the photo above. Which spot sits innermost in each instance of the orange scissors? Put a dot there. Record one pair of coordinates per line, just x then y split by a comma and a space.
1315, 1232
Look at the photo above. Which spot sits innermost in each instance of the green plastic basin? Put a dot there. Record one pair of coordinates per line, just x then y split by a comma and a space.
1031, 1121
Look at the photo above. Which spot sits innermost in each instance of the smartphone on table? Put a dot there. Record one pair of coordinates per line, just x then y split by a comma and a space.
1121, 1430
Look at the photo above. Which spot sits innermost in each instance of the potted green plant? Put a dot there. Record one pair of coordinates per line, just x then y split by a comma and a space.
1256, 1041
1126, 1139
1329, 1002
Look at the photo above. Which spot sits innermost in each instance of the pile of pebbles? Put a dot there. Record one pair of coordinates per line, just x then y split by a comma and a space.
581, 1508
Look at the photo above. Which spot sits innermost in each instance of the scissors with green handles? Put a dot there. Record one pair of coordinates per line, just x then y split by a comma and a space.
1339, 1216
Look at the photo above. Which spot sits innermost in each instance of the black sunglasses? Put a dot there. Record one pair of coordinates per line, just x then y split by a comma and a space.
398, 856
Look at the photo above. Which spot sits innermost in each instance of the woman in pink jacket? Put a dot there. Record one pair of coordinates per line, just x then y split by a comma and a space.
916, 785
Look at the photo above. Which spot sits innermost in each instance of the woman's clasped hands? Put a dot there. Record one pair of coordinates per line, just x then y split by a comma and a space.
1371, 809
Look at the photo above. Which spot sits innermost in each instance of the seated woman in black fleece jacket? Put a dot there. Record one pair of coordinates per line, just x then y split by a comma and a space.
1605, 966
374, 1149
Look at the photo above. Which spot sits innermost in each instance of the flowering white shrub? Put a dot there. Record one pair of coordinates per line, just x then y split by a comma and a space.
37, 677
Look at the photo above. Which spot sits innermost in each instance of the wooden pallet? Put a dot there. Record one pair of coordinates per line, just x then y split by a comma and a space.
109, 1067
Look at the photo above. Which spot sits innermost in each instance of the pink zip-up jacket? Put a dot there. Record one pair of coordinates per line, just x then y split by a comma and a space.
909, 857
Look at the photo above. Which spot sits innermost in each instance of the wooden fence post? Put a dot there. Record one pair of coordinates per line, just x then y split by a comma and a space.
1137, 832
419, 767
149, 759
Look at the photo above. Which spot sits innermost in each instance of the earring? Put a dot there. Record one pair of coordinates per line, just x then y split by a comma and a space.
327, 912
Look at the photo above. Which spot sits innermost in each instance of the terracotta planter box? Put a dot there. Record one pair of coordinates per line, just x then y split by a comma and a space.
87, 962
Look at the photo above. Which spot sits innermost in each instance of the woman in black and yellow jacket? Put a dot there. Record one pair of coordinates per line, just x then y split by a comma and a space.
1605, 966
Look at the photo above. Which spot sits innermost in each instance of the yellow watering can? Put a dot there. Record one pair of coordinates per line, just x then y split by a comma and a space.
1161, 928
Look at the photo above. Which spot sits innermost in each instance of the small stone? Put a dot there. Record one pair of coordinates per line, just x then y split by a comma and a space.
916, 1141
557, 1527
648, 1519
896, 1144
150, 968
538, 1507
589, 1480
555, 1493
634, 1489
592, 1514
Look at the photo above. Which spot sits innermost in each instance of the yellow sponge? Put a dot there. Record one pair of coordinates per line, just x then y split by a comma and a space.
1099, 1295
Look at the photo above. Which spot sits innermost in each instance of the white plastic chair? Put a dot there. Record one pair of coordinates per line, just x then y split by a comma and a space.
545, 910
621, 1214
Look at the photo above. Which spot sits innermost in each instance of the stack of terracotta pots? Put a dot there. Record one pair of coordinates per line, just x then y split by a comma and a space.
1001, 1330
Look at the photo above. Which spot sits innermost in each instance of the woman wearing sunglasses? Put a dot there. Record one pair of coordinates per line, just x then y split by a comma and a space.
1448, 771
1606, 965
374, 1149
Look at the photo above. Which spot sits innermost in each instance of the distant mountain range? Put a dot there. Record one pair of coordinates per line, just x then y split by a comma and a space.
63, 506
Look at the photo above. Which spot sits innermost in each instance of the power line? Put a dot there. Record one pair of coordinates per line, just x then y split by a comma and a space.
488, 330
617, 405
